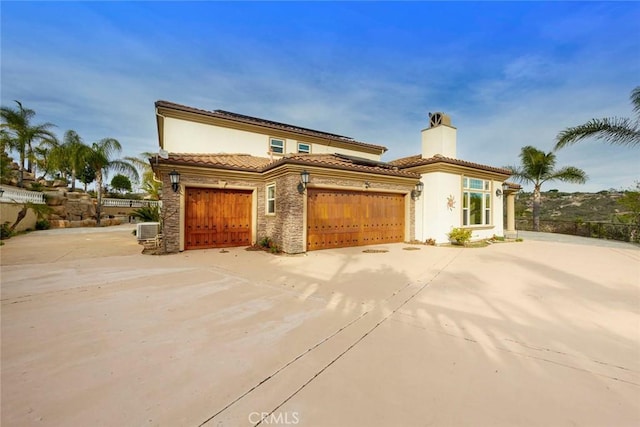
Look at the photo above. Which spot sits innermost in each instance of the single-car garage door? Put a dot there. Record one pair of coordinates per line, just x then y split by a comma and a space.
217, 218
337, 219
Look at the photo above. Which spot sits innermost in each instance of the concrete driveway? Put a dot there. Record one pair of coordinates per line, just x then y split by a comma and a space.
531, 333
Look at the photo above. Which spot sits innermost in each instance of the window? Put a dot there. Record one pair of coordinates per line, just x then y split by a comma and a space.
304, 148
276, 146
271, 199
476, 201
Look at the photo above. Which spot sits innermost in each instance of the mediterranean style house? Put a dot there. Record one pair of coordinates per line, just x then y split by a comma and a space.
233, 180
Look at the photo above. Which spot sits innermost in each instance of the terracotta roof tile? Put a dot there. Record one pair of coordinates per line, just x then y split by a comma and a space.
244, 162
418, 160
267, 123
336, 161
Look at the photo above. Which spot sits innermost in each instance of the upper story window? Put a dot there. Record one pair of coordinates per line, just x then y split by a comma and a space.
304, 148
276, 146
271, 199
476, 201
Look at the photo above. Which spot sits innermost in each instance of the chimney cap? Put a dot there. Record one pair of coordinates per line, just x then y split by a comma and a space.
439, 118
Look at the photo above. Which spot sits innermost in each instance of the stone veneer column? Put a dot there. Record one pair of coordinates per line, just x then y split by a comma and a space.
511, 210
171, 214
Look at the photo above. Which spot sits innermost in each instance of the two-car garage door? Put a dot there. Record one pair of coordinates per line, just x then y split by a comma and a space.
337, 219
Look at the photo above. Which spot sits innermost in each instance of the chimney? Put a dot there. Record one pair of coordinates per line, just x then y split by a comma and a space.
439, 137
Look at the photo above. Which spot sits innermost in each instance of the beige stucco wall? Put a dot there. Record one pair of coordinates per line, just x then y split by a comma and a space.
9, 213
435, 216
182, 136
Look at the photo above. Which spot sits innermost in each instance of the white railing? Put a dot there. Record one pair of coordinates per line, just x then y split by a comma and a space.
129, 203
18, 195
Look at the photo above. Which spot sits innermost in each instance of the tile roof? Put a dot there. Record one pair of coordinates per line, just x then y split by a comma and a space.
337, 161
418, 160
246, 162
267, 123
243, 162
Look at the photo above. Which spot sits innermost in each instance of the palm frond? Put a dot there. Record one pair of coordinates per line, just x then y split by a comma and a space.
614, 130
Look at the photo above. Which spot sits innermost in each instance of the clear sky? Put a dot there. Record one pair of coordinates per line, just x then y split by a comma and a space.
509, 74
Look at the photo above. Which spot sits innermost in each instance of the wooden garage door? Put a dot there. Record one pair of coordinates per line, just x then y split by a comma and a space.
216, 218
338, 219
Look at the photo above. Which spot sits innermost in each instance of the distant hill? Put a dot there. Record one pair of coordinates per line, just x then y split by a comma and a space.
601, 206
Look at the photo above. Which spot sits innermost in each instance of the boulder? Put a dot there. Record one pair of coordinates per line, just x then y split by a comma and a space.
54, 198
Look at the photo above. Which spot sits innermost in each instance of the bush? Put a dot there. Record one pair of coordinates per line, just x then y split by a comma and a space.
42, 224
459, 236
5, 231
269, 245
147, 213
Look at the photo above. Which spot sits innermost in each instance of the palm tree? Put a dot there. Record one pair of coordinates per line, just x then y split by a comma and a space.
537, 168
71, 155
100, 158
22, 134
149, 185
614, 130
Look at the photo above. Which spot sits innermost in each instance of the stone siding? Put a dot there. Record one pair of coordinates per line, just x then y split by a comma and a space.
286, 226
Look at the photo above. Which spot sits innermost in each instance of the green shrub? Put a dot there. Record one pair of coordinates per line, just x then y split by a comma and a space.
459, 236
147, 213
42, 224
5, 231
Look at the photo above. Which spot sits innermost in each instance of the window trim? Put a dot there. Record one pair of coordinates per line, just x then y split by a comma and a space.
486, 200
271, 146
270, 199
304, 152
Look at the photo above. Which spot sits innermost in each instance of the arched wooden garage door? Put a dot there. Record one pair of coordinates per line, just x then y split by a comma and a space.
337, 219
217, 218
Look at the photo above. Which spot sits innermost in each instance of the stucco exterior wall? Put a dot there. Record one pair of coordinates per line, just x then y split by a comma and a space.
182, 136
9, 213
437, 216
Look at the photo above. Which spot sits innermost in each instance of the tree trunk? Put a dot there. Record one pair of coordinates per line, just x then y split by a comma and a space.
536, 208
73, 180
21, 170
21, 215
98, 196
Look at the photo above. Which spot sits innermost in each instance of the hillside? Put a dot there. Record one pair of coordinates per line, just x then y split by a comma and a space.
601, 206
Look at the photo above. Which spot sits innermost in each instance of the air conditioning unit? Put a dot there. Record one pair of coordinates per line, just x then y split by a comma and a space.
147, 230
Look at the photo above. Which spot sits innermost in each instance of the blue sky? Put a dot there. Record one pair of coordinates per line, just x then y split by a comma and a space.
509, 74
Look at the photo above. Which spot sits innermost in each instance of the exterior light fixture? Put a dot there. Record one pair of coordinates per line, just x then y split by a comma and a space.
305, 176
174, 176
1, 192
501, 191
415, 193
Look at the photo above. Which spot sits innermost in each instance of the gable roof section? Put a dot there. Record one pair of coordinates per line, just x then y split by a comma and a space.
417, 160
341, 162
248, 163
268, 124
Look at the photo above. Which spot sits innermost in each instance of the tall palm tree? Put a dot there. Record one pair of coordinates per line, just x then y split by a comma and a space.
614, 130
538, 167
72, 155
23, 134
100, 158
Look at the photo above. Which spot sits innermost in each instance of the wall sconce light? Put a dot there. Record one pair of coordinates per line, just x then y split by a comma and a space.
304, 180
415, 193
367, 184
501, 191
174, 176
1, 192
